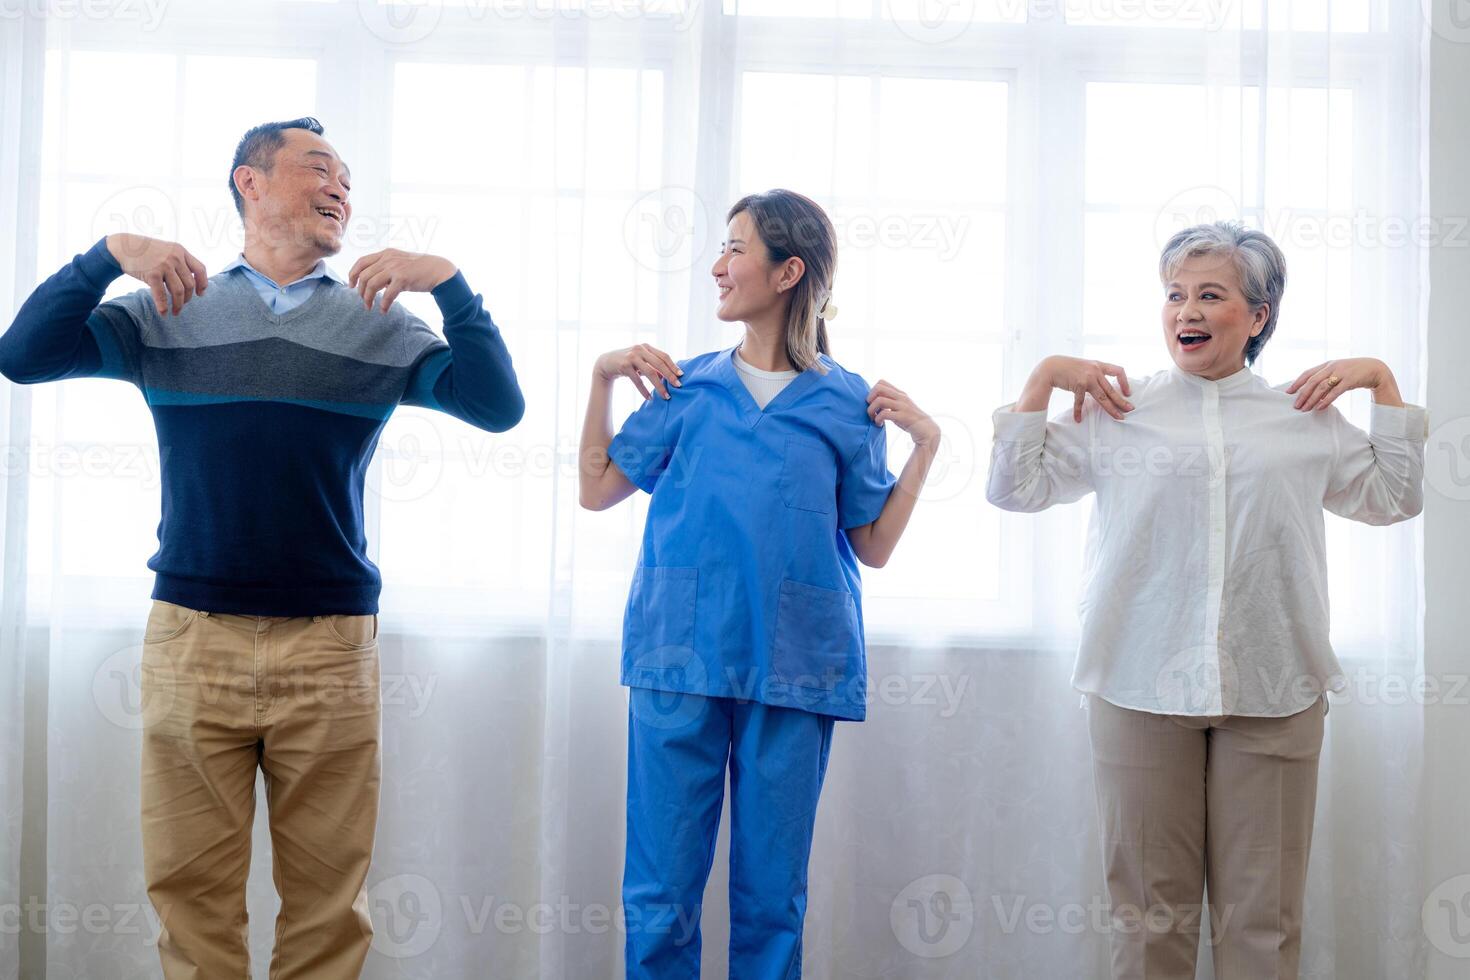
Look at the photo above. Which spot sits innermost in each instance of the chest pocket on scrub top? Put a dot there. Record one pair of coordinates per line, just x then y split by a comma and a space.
808, 476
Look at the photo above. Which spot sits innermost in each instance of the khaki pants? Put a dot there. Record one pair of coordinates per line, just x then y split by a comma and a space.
1187, 800
298, 697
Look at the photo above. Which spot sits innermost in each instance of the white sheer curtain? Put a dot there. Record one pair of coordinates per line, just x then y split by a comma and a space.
22, 50
1002, 173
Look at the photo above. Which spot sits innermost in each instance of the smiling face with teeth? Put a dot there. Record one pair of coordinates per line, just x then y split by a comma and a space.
299, 203
1207, 319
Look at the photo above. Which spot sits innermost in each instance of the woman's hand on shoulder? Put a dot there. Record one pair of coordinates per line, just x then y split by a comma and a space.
639, 362
1317, 387
1082, 377
887, 403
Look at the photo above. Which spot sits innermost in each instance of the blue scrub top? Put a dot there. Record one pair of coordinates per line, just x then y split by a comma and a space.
746, 585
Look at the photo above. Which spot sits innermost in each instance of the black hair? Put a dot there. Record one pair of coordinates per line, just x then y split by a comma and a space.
258, 149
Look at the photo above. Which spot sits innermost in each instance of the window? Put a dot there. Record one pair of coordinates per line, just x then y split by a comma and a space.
1002, 174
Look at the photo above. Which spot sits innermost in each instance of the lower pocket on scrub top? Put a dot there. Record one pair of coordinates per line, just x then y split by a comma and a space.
817, 641
658, 627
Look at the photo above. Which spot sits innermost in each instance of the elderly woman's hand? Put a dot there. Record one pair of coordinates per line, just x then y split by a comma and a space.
1082, 378
1318, 387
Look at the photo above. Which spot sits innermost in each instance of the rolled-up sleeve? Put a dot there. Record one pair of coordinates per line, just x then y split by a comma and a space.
1035, 463
1378, 476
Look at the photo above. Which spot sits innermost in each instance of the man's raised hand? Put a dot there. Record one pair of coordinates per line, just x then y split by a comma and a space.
170, 272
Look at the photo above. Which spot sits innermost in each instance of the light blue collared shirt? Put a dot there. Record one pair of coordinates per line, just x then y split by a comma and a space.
284, 299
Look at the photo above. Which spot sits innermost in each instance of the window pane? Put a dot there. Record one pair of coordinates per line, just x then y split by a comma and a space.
439, 141
937, 140
224, 97
942, 140
1121, 292
99, 139
1342, 16
859, 9
780, 148
1147, 142
1135, 202
959, 390
922, 19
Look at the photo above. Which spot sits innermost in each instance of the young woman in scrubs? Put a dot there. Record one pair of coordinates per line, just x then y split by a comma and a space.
743, 634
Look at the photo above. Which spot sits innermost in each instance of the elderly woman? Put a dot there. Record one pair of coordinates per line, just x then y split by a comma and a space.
1204, 658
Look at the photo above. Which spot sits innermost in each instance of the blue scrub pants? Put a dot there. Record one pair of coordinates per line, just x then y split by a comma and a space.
678, 747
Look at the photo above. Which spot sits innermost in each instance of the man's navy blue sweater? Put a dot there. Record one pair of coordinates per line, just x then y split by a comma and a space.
265, 422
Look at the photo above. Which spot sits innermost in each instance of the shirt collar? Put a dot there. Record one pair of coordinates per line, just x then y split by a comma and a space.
749, 410
318, 271
1243, 376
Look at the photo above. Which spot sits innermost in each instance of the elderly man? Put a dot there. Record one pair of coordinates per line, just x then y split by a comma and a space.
269, 384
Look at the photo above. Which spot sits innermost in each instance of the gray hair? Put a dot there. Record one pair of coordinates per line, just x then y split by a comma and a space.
1258, 262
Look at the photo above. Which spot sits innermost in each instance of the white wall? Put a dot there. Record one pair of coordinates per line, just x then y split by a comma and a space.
1447, 503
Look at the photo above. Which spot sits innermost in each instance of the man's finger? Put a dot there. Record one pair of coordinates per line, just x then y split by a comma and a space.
374, 284
362, 272
175, 288
186, 281
160, 298
196, 268
360, 266
389, 295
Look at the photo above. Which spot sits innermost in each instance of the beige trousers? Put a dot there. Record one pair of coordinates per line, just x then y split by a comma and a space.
297, 697
1187, 800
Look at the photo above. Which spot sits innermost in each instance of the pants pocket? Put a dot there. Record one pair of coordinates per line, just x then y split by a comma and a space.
808, 476
167, 621
658, 625
353, 632
818, 642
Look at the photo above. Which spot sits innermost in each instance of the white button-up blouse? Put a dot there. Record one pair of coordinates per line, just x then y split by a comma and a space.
1205, 576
